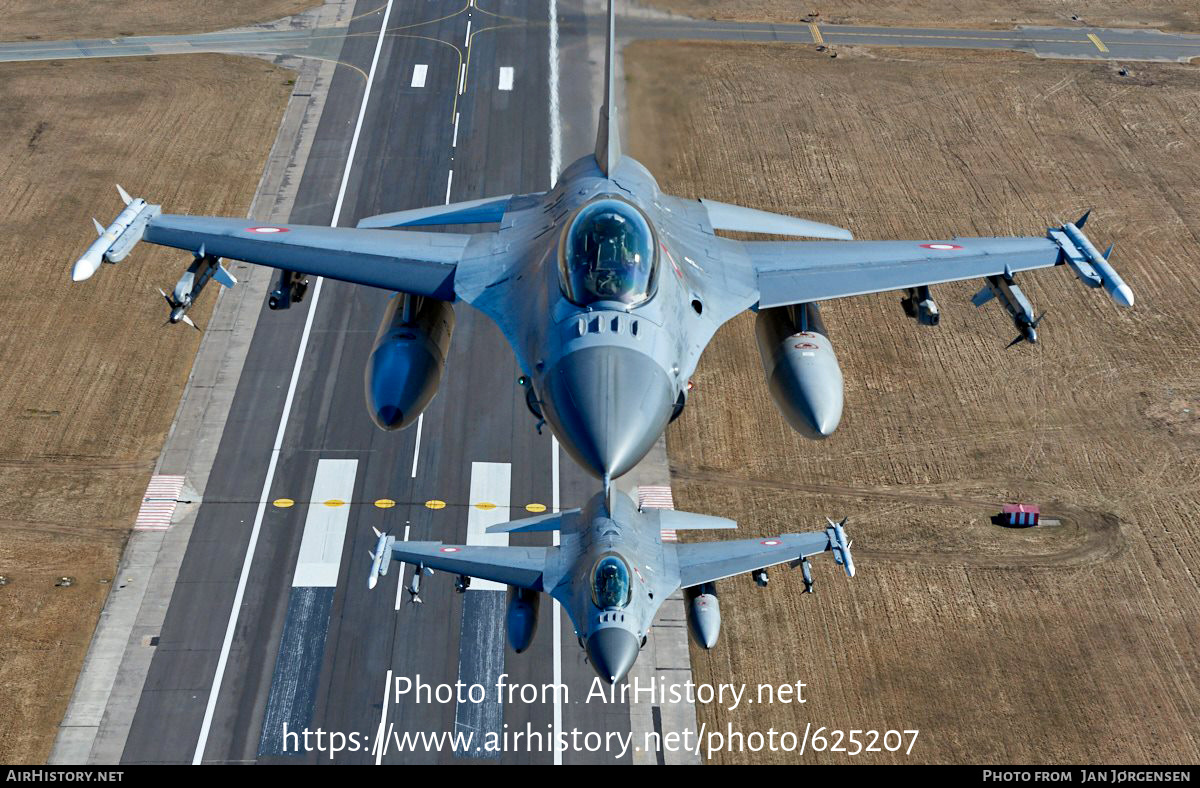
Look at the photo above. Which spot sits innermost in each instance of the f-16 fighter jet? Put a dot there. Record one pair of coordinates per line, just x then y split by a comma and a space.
608, 291
612, 571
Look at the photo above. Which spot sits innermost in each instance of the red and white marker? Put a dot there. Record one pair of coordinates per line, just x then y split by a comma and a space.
449, 549
941, 247
771, 542
266, 230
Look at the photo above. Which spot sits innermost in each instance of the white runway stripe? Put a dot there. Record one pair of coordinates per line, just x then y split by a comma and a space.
491, 485
506, 78
320, 557
419, 72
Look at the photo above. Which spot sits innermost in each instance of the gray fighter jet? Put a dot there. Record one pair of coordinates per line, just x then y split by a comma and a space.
608, 290
612, 572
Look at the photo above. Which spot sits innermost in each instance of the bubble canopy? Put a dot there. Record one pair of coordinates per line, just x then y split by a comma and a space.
608, 254
610, 583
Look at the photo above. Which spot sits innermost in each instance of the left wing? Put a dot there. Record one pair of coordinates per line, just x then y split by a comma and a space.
514, 566
705, 562
790, 272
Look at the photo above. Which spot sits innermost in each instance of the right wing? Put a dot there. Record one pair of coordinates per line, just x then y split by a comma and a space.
514, 566
419, 263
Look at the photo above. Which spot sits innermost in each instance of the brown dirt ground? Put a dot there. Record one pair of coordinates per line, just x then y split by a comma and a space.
38, 19
1178, 15
1077, 643
92, 378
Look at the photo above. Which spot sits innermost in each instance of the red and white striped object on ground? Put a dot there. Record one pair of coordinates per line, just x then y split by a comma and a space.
658, 497
158, 504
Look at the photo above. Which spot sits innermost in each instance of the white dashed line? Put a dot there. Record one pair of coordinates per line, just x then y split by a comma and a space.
454, 142
449, 181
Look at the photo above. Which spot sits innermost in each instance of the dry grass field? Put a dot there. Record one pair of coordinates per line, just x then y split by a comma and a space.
92, 379
38, 19
1177, 15
1076, 643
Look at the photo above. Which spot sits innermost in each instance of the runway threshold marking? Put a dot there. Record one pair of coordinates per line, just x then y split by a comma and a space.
320, 556
491, 486
816, 33
1095, 39
420, 70
248, 561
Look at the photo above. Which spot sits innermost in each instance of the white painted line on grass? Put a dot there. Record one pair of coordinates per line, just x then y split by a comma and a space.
506, 78
248, 561
320, 557
419, 72
491, 487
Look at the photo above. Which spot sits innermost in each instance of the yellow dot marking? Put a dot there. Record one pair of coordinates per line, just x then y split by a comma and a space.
385, 503
485, 506
435, 504
1096, 40
536, 507
284, 503
334, 503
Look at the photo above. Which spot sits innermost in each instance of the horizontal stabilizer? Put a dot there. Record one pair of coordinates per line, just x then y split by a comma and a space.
724, 216
672, 520
489, 209
543, 522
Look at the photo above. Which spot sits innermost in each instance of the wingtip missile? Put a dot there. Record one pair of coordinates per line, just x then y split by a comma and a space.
1092, 267
117, 239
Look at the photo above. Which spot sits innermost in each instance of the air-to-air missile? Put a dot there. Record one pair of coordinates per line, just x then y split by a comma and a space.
187, 289
116, 240
1092, 268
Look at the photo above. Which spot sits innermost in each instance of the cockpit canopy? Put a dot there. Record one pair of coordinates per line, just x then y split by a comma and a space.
608, 254
610, 583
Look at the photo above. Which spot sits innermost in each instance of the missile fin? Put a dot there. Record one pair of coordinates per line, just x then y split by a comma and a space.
99, 227
124, 194
1083, 219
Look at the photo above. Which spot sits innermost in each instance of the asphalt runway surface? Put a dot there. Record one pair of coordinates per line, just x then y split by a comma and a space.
340, 642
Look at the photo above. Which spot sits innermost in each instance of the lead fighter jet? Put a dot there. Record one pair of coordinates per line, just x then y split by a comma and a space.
608, 290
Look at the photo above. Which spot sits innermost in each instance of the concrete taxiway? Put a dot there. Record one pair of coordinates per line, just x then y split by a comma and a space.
294, 37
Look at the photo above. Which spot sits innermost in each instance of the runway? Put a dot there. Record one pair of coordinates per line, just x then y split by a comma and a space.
455, 134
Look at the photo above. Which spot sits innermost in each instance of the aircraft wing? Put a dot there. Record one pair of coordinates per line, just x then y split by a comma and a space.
704, 562
790, 272
421, 263
514, 566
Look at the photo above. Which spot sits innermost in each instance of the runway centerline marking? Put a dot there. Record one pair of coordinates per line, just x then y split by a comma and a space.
400, 574
506, 78
420, 70
387, 686
248, 561
417, 445
1095, 39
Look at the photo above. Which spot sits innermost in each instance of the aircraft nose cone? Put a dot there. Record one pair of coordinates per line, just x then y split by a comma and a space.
612, 651
608, 405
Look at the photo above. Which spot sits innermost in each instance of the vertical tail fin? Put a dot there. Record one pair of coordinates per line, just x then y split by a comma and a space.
608, 136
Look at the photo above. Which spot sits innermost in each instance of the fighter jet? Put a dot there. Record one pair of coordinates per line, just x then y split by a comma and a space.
608, 290
612, 572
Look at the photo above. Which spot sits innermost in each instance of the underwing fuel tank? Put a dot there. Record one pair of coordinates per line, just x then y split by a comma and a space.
802, 370
521, 619
703, 614
405, 366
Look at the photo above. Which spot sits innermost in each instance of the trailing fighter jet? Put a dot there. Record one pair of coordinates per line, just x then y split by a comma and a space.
612, 572
608, 290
